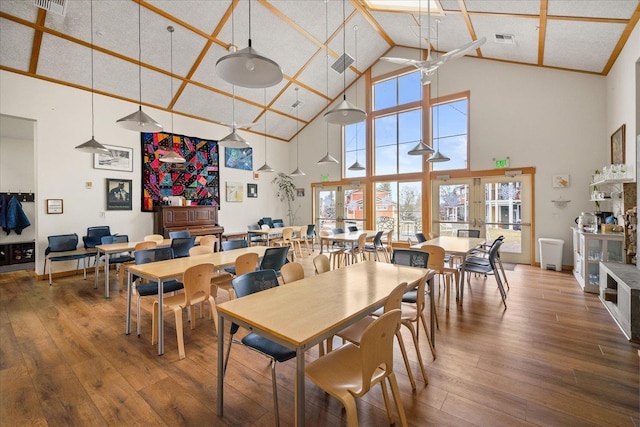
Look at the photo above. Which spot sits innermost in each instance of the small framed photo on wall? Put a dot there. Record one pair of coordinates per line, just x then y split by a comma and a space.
118, 194
55, 206
252, 190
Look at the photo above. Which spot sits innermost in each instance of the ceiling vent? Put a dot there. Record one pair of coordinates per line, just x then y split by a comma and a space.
59, 7
504, 38
342, 63
296, 106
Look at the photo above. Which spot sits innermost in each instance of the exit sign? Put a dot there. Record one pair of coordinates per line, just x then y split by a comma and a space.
502, 163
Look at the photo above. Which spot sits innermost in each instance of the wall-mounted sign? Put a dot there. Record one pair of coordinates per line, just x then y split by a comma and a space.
501, 163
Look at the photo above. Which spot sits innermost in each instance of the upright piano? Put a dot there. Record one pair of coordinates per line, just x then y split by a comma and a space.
199, 220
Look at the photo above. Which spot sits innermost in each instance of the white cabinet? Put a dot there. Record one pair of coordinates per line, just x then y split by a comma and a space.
589, 249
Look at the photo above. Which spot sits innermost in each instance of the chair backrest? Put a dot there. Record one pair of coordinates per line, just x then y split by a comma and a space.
200, 250
433, 235
493, 251
209, 240
420, 297
362, 241
140, 246
197, 283
252, 283
302, 233
266, 220
311, 231
394, 300
278, 224
420, 237
62, 243
291, 272
154, 238
179, 234
436, 257
287, 234
410, 257
468, 233
338, 230
352, 228
389, 237
181, 246
118, 238
377, 240
376, 347
152, 255
228, 245
253, 227
246, 263
274, 258
321, 263
94, 235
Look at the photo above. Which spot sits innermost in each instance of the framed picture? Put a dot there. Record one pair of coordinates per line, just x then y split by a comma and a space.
252, 190
119, 159
118, 194
234, 191
238, 158
617, 146
299, 192
54, 206
256, 176
561, 181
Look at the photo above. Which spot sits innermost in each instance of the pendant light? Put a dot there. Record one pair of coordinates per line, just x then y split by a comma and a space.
345, 113
328, 158
92, 146
139, 121
234, 140
437, 156
247, 68
171, 156
356, 166
265, 167
297, 172
421, 148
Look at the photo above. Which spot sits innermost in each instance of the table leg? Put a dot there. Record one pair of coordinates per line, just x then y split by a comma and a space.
97, 269
220, 364
432, 314
299, 388
321, 244
106, 275
461, 279
160, 318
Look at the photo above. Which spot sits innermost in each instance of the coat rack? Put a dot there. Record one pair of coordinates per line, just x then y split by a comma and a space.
23, 197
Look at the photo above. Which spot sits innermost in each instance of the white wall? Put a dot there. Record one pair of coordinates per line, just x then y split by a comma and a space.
63, 121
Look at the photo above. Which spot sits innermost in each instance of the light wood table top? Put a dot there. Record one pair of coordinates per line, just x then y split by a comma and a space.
453, 244
348, 237
301, 314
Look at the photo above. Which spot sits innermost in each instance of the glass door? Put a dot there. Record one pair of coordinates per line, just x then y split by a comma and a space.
495, 205
339, 207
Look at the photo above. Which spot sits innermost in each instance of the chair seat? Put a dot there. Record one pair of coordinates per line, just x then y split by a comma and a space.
152, 288
263, 345
121, 259
478, 268
410, 296
70, 257
231, 270
477, 260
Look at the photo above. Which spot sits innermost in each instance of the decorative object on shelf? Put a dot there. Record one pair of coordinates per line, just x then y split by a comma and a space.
197, 179
118, 194
139, 121
617, 146
55, 206
561, 181
234, 191
116, 159
560, 203
252, 190
238, 158
286, 193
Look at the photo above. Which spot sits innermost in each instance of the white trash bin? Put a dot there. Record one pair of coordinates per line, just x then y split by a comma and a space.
551, 253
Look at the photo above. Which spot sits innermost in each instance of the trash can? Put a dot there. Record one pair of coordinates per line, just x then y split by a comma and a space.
551, 253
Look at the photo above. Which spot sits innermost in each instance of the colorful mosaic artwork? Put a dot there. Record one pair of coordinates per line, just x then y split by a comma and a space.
197, 179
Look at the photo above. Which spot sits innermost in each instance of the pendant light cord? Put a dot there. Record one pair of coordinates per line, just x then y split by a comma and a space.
170, 28
265, 126
355, 35
326, 39
297, 132
140, 52
344, 52
92, 114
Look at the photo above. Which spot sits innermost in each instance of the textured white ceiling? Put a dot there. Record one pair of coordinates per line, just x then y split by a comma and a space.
579, 36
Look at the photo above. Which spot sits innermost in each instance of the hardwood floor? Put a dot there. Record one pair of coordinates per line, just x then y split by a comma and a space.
554, 358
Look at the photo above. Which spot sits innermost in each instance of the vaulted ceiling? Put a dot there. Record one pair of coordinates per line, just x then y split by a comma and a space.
574, 35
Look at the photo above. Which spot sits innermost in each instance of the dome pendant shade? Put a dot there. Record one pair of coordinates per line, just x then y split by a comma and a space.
172, 157
140, 121
438, 157
297, 172
247, 68
421, 149
345, 114
93, 146
356, 167
265, 168
327, 159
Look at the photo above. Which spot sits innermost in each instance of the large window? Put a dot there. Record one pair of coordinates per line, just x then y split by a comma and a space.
450, 131
399, 207
355, 148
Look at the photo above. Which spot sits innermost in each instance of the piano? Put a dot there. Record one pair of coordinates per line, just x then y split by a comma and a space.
199, 220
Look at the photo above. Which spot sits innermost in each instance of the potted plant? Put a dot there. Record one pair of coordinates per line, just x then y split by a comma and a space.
286, 193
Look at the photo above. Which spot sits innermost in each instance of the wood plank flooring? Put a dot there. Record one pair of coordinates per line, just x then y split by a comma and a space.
554, 358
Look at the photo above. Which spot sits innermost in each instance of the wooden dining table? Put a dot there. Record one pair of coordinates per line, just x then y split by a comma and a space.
162, 271
275, 231
308, 311
453, 245
347, 237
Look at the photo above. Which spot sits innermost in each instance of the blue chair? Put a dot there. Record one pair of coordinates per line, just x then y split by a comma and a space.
179, 234
420, 237
94, 236
253, 237
65, 243
278, 224
181, 246
411, 258
352, 228
275, 258
487, 266
266, 220
376, 246
147, 289
244, 285
229, 245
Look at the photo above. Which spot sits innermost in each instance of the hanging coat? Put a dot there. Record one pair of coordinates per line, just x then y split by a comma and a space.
15, 218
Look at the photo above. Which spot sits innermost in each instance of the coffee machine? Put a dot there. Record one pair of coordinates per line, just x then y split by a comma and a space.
602, 216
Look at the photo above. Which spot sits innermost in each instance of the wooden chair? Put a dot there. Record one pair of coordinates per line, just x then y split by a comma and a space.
209, 240
286, 239
354, 332
350, 371
200, 250
387, 245
437, 260
337, 255
197, 289
158, 238
322, 264
245, 263
140, 246
357, 252
291, 272
299, 239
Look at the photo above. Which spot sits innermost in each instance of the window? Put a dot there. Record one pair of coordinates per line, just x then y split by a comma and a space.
396, 91
355, 148
450, 131
399, 207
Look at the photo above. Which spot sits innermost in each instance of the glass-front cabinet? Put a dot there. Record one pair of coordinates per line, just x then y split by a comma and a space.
589, 249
